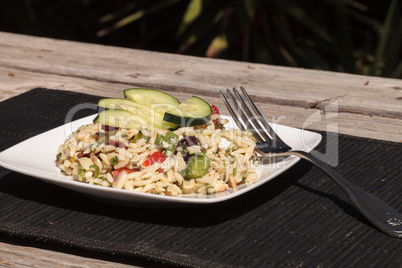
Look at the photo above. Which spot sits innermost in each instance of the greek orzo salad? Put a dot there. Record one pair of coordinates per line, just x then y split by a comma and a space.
150, 142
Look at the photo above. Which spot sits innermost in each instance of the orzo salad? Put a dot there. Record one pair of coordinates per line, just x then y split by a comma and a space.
173, 158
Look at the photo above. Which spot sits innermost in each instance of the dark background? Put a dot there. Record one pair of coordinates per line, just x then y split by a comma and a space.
353, 36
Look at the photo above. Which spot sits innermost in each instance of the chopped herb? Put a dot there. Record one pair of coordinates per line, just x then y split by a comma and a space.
137, 137
58, 156
218, 124
207, 190
100, 181
181, 186
81, 173
234, 171
243, 180
140, 136
230, 149
114, 160
96, 168
93, 147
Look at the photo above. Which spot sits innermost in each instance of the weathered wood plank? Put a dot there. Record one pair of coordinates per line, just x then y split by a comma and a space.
281, 85
25, 256
360, 124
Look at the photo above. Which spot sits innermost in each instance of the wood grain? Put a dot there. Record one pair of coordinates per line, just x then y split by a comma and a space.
367, 106
202, 76
27, 256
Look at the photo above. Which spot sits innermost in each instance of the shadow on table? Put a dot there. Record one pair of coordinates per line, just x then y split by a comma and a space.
28, 189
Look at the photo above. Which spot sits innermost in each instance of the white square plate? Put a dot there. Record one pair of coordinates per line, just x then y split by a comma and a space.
36, 157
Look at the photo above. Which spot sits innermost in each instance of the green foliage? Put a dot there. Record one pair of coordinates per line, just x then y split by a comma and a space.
353, 36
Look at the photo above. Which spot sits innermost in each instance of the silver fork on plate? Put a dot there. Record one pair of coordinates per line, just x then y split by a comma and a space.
268, 143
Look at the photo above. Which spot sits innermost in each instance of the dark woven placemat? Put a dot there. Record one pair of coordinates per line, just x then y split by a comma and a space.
299, 219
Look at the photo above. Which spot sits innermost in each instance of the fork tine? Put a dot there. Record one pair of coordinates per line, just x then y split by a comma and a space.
256, 124
239, 110
234, 115
260, 116
277, 141
253, 128
267, 139
232, 112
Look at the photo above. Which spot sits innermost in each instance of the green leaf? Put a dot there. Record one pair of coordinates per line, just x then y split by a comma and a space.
192, 12
203, 28
114, 160
219, 44
136, 16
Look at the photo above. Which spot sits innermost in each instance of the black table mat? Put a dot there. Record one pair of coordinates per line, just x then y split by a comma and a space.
301, 218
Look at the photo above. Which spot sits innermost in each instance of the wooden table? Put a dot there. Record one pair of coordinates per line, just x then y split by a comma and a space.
366, 106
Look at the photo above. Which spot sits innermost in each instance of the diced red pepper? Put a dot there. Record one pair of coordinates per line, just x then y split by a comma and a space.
156, 157
128, 171
218, 124
214, 109
217, 121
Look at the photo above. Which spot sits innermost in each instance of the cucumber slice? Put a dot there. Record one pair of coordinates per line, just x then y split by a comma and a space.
150, 97
191, 112
120, 119
124, 104
117, 103
151, 115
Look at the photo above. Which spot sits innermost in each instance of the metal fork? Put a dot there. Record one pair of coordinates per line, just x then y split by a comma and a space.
268, 143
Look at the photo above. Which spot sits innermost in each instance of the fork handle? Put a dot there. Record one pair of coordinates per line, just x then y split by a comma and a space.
376, 211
